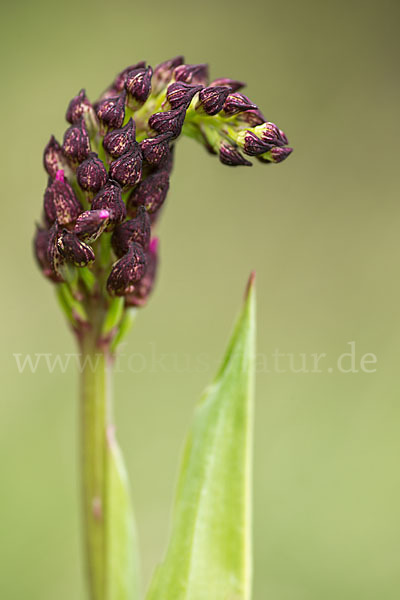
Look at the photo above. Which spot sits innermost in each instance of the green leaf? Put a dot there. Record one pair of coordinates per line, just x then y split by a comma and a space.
209, 553
122, 569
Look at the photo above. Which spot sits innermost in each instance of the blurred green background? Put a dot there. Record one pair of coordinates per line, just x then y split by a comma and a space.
322, 232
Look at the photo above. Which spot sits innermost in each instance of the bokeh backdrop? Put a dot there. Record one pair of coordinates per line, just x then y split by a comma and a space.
322, 232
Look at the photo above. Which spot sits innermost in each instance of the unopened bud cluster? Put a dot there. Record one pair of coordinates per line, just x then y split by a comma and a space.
109, 177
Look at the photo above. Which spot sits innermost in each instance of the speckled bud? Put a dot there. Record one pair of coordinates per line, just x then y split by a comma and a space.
252, 118
145, 286
119, 82
60, 202
150, 193
276, 155
180, 95
110, 198
236, 103
91, 224
127, 169
135, 230
73, 250
119, 141
251, 143
212, 99
53, 158
41, 245
138, 83
76, 143
127, 271
232, 84
77, 108
270, 133
164, 71
230, 156
111, 111
169, 121
156, 149
54, 257
192, 74
91, 174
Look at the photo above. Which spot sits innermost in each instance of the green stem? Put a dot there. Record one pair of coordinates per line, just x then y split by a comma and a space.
95, 421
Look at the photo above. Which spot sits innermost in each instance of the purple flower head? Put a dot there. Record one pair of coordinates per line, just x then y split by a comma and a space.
230, 156
91, 224
180, 95
135, 230
150, 193
91, 174
60, 202
111, 111
212, 99
251, 118
192, 74
156, 150
138, 83
109, 198
127, 169
76, 144
127, 271
119, 141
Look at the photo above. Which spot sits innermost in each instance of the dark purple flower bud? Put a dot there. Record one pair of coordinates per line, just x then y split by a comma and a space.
145, 286
119, 82
91, 224
181, 94
53, 158
226, 82
111, 111
73, 250
252, 118
269, 133
252, 144
127, 271
138, 83
54, 257
212, 99
119, 141
230, 156
41, 245
60, 202
135, 230
192, 74
78, 107
110, 198
76, 143
276, 155
236, 103
156, 149
150, 193
127, 169
169, 121
283, 137
164, 71
91, 174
